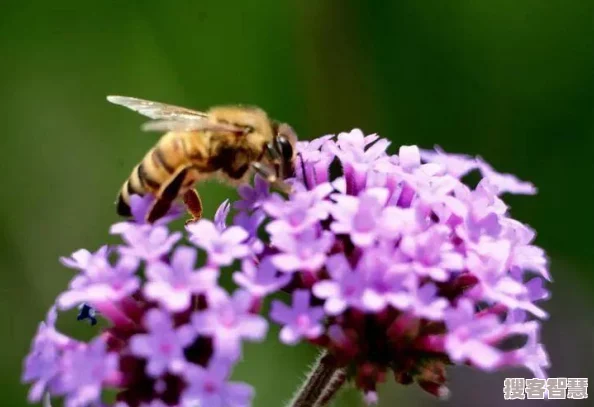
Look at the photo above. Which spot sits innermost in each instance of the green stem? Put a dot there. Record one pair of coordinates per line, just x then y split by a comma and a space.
319, 383
336, 383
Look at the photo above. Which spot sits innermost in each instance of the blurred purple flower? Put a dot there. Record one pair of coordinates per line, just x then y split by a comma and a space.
173, 285
252, 197
84, 370
223, 247
148, 244
139, 206
430, 254
346, 287
228, 322
209, 387
163, 345
362, 217
100, 281
304, 211
505, 182
426, 303
300, 320
41, 365
260, 280
457, 165
466, 337
305, 251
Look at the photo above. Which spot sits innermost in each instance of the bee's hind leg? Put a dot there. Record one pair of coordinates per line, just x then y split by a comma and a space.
193, 205
167, 194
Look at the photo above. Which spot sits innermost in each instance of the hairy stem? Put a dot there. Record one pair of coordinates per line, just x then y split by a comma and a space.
319, 383
338, 379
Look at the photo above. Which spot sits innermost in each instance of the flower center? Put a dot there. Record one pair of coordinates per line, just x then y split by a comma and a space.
228, 318
303, 321
296, 218
218, 247
363, 222
307, 252
350, 289
210, 387
165, 348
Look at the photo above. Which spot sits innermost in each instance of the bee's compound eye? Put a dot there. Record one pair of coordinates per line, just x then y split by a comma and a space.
286, 149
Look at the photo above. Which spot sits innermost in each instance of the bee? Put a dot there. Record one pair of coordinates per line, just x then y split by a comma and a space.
230, 143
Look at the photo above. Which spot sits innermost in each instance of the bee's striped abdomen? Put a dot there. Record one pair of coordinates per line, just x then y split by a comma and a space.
161, 166
139, 183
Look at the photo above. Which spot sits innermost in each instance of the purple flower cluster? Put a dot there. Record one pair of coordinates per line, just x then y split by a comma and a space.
397, 264
393, 263
175, 334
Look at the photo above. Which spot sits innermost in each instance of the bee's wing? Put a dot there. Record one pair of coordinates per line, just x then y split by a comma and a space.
170, 117
157, 110
189, 125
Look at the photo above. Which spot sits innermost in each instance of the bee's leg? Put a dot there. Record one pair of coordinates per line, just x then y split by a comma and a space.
270, 175
193, 204
265, 172
167, 194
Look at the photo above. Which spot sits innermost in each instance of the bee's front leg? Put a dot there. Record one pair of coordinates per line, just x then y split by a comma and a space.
269, 174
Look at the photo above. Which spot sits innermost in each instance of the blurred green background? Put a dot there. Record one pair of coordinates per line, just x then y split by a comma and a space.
510, 80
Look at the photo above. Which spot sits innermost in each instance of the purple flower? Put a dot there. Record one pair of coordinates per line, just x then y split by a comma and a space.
252, 198
260, 280
209, 387
314, 159
430, 253
384, 284
251, 223
163, 345
532, 356
299, 321
84, 371
173, 285
305, 251
505, 182
360, 155
362, 217
149, 244
457, 165
305, 210
426, 303
356, 149
393, 264
346, 288
223, 247
139, 206
42, 363
524, 255
220, 218
100, 281
409, 249
467, 334
83, 259
228, 322
495, 283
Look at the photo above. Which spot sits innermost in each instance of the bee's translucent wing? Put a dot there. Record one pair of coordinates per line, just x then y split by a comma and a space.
157, 110
189, 125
